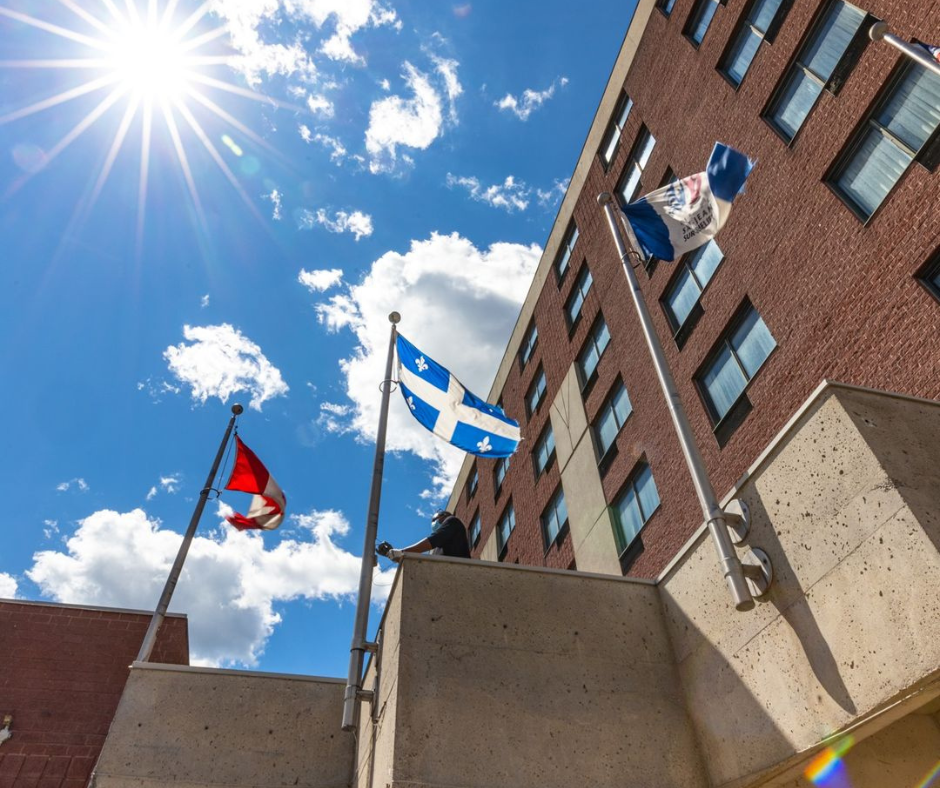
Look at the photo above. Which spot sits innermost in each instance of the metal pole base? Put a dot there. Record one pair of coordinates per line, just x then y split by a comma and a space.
758, 571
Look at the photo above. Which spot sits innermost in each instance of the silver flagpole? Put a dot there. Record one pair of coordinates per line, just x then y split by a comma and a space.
160, 613
731, 566
879, 32
354, 691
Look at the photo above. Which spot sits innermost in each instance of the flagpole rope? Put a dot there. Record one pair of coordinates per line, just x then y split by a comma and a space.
222, 469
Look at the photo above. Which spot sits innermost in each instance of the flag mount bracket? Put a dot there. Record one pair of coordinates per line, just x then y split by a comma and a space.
371, 646
758, 571
738, 520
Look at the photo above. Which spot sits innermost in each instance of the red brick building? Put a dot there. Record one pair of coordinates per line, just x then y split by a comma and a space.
64, 669
829, 268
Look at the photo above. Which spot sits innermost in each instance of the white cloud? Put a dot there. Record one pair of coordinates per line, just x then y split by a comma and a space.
275, 198
8, 586
549, 198
336, 148
51, 529
458, 304
321, 105
398, 122
169, 484
385, 85
257, 56
511, 195
320, 280
80, 484
447, 68
530, 101
152, 493
334, 417
357, 222
229, 585
220, 362
204, 301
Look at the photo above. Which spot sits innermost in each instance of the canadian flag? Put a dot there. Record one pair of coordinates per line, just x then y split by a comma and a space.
249, 475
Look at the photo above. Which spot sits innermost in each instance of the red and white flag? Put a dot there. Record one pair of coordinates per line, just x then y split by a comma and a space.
249, 475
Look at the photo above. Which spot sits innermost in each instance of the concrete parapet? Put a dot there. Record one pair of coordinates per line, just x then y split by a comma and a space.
191, 727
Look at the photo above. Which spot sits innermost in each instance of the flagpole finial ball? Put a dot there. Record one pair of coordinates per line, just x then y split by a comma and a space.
237, 409
394, 317
603, 198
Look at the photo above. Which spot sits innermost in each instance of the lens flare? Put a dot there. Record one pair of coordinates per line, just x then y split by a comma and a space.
826, 766
929, 779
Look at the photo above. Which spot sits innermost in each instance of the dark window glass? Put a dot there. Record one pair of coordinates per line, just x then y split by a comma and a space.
752, 31
475, 530
593, 349
529, 341
699, 20
740, 354
544, 451
634, 505
629, 186
615, 129
499, 473
904, 120
567, 248
612, 416
666, 6
696, 270
555, 517
472, 482
533, 397
576, 300
810, 73
505, 527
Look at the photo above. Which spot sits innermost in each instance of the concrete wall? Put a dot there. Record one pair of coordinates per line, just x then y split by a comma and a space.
845, 502
200, 727
512, 677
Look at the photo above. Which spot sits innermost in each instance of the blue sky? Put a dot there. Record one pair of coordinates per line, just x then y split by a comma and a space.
311, 166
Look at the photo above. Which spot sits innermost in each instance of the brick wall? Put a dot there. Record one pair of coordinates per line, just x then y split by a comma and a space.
839, 296
64, 669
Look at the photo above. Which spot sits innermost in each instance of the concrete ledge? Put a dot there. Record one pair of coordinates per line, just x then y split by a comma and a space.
229, 672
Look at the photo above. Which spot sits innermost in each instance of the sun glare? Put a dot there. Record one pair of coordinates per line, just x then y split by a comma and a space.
141, 63
149, 62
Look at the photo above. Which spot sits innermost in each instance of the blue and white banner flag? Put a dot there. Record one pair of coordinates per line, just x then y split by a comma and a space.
440, 402
686, 214
933, 51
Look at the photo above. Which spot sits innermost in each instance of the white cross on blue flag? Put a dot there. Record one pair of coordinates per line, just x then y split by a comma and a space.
441, 403
686, 214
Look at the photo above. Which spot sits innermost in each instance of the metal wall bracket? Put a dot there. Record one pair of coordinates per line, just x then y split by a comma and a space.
365, 695
371, 647
758, 571
738, 520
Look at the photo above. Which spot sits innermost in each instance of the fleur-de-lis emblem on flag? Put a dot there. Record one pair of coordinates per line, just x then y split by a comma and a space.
484, 445
411, 402
421, 364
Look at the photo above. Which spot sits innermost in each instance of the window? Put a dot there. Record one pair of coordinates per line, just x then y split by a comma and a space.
696, 270
763, 18
567, 247
629, 186
930, 276
499, 473
741, 352
699, 20
592, 351
612, 416
634, 506
472, 482
544, 451
504, 529
615, 130
666, 6
900, 128
536, 392
554, 518
529, 343
813, 69
578, 294
475, 530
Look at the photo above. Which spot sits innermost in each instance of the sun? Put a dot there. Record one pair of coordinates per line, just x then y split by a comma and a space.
149, 62
163, 62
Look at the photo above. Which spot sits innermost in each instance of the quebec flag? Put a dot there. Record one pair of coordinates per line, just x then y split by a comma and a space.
686, 214
440, 402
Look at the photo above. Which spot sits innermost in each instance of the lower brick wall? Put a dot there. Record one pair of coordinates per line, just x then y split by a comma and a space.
64, 672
